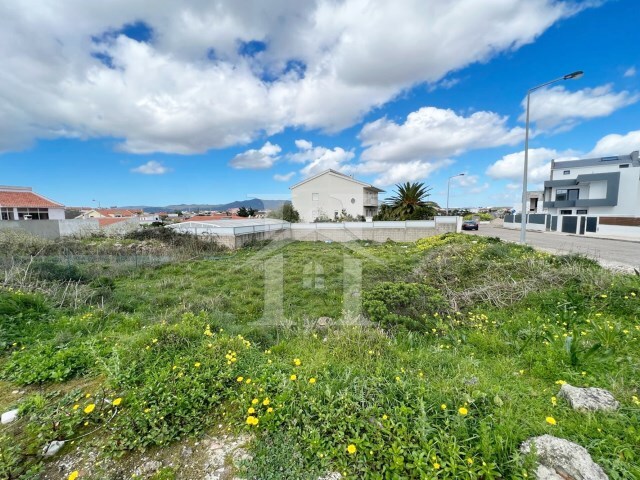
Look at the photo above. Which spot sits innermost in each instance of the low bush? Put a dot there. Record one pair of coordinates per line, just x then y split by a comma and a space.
403, 305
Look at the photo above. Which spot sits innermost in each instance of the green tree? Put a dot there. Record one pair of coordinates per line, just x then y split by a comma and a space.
286, 213
243, 212
290, 214
252, 211
409, 203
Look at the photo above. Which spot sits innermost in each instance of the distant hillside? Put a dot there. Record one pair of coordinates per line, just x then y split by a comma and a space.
255, 203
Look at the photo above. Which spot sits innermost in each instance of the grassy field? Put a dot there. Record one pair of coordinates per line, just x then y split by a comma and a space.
453, 360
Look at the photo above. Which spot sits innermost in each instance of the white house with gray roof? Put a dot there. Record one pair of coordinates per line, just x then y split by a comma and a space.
329, 194
605, 186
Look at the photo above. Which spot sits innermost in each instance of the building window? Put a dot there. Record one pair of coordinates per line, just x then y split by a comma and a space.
566, 172
581, 212
624, 165
7, 213
573, 193
562, 194
33, 214
315, 197
565, 212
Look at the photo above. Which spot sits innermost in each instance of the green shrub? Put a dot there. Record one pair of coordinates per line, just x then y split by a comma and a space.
408, 305
46, 362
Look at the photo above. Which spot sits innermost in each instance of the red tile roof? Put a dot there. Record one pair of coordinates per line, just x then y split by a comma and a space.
103, 222
25, 199
117, 211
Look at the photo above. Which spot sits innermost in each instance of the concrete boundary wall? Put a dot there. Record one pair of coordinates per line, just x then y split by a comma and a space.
346, 232
586, 225
53, 228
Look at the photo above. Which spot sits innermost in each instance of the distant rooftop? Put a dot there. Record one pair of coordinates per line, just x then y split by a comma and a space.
632, 158
22, 197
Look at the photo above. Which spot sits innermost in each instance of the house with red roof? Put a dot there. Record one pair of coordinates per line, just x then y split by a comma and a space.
22, 203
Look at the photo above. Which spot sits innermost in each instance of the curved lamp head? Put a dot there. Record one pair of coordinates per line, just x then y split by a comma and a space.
573, 75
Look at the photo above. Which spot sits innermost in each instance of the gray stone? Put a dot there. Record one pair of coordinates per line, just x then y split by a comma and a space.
324, 322
53, 448
331, 476
546, 473
8, 417
186, 452
565, 459
148, 467
472, 381
588, 399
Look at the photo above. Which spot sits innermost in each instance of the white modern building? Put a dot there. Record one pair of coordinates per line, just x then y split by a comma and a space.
22, 203
605, 186
331, 194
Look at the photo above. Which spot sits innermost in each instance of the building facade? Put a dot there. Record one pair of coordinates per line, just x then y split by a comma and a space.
331, 195
22, 203
605, 186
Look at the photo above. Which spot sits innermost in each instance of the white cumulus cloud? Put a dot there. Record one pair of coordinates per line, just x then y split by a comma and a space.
630, 72
284, 177
616, 144
434, 133
152, 167
559, 108
74, 72
259, 159
511, 166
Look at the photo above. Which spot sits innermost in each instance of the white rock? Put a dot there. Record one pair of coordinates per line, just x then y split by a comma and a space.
53, 448
588, 399
8, 417
331, 476
563, 458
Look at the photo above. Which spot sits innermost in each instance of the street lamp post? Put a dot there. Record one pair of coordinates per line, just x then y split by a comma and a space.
448, 187
523, 221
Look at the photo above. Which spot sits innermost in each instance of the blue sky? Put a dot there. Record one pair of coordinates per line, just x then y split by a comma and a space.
124, 104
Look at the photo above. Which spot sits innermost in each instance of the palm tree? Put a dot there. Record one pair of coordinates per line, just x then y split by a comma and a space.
410, 201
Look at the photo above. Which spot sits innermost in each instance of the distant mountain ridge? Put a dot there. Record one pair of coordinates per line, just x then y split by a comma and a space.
255, 203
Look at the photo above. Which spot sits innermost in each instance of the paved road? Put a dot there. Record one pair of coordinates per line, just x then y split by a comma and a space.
610, 253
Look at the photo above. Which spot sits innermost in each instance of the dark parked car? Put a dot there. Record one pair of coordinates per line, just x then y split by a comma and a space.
470, 225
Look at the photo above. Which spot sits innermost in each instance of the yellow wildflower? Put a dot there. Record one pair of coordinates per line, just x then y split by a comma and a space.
443, 406
251, 420
293, 377
352, 449
90, 408
297, 362
240, 379
312, 380
73, 475
463, 411
436, 466
255, 401
269, 410
117, 402
251, 410
76, 406
551, 420
266, 401
197, 364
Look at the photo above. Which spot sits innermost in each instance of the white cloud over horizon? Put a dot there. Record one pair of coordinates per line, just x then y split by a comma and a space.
558, 108
616, 144
152, 167
257, 159
73, 74
510, 167
284, 177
